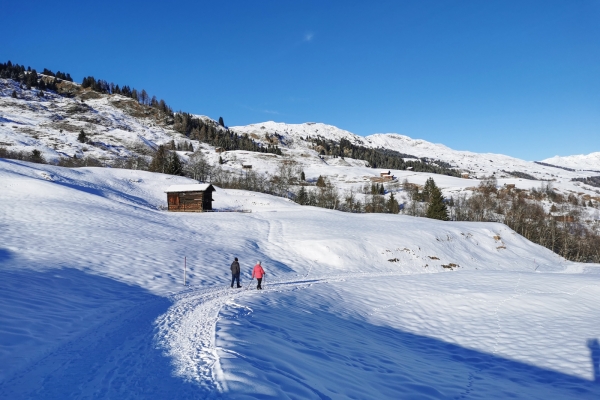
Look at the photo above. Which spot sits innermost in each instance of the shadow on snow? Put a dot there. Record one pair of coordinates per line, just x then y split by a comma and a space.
346, 357
68, 334
104, 191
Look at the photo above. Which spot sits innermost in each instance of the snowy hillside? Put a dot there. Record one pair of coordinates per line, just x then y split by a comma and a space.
476, 164
590, 162
355, 305
52, 123
347, 173
118, 128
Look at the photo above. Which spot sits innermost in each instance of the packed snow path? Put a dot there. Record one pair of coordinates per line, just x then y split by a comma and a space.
188, 333
187, 329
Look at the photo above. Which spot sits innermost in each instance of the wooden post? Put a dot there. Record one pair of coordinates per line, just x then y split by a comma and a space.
184, 269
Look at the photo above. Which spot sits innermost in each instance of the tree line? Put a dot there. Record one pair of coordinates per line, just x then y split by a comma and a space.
215, 134
565, 234
141, 96
30, 78
592, 180
379, 157
207, 131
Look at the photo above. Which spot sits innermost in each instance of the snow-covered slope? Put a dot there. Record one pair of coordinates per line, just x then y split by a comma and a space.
477, 164
118, 127
349, 174
115, 125
589, 162
365, 306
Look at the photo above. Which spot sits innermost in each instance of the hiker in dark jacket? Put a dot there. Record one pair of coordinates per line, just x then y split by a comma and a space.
235, 273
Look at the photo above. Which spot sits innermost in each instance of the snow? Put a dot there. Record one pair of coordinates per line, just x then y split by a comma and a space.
118, 128
349, 174
52, 124
479, 164
590, 162
355, 305
431, 336
197, 187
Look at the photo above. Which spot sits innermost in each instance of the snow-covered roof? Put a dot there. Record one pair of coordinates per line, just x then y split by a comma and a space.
197, 187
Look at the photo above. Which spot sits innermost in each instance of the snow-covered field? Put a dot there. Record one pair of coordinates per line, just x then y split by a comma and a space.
92, 303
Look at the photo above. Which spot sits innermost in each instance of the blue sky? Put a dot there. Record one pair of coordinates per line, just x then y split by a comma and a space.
515, 77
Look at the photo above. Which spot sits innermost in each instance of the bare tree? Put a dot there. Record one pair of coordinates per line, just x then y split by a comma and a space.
197, 167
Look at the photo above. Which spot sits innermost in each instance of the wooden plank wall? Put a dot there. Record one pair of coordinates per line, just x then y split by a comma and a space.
189, 201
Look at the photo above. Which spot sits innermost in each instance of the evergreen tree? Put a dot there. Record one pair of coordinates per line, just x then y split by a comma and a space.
427, 189
82, 137
221, 121
174, 165
14, 94
392, 205
321, 181
36, 157
437, 208
32, 79
302, 176
220, 160
160, 160
302, 197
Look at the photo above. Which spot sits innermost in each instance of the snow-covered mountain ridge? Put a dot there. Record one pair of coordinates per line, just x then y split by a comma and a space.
478, 164
118, 128
582, 161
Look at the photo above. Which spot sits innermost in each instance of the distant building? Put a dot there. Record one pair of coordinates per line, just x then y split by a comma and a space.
190, 198
219, 150
465, 175
386, 176
246, 166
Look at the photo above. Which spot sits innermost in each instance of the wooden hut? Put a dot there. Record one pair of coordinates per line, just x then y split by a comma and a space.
386, 176
190, 198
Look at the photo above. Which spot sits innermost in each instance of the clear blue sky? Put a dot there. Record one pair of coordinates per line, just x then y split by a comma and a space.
515, 77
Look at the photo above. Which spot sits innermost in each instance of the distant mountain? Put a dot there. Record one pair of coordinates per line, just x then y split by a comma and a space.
294, 136
589, 162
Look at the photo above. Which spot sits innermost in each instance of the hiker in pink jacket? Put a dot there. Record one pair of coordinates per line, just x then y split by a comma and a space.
258, 272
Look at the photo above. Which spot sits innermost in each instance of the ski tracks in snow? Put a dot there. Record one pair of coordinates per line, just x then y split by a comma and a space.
186, 331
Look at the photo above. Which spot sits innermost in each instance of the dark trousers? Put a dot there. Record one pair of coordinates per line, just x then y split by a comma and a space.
235, 277
259, 282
